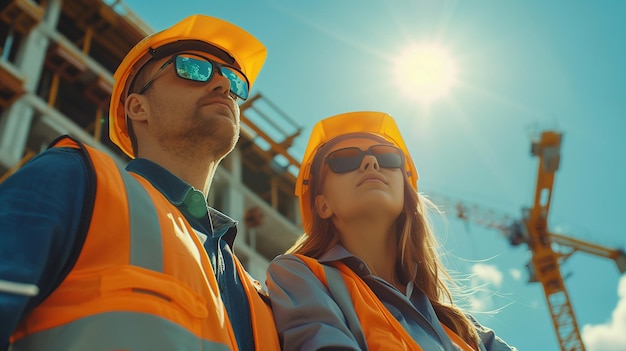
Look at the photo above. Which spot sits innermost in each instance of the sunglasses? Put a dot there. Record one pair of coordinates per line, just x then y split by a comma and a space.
350, 158
198, 68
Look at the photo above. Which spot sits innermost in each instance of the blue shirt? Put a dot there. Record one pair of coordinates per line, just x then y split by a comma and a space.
307, 318
40, 236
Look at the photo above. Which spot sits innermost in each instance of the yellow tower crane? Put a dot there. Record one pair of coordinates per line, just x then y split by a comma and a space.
549, 250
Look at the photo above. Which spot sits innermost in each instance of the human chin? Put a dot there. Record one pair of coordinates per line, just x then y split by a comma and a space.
225, 130
221, 109
381, 195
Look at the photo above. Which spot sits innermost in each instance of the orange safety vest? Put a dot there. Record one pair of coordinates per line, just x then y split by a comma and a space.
367, 317
142, 280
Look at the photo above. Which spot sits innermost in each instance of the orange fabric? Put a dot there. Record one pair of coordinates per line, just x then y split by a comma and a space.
263, 327
102, 280
457, 339
382, 330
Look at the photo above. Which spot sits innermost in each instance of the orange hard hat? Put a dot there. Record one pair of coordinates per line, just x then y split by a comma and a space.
377, 123
219, 38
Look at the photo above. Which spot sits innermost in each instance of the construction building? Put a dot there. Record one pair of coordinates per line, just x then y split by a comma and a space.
57, 59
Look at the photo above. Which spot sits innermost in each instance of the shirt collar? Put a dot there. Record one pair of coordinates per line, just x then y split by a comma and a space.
223, 226
340, 253
172, 187
189, 200
357, 265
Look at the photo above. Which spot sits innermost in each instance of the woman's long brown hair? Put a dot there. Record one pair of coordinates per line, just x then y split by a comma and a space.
417, 247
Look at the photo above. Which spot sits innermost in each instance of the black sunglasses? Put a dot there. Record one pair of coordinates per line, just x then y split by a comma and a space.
349, 159
201, 69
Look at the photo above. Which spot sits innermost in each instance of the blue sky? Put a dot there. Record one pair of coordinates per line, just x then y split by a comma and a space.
523, 67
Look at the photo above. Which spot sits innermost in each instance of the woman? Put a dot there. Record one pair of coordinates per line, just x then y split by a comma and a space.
365, 275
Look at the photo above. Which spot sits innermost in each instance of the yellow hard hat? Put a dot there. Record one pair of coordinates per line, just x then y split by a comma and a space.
222, 39
377, 123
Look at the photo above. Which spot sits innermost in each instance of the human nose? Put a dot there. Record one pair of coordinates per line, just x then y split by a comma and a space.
219, 82
369, 162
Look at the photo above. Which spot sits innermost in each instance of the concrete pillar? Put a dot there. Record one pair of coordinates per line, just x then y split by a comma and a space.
53, 13
14, 128
16, 121
234, 198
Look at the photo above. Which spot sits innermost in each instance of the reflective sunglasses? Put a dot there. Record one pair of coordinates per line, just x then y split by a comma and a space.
201, 69
350, 158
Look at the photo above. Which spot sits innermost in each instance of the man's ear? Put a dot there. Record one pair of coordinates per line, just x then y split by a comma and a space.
136, 107
322, 208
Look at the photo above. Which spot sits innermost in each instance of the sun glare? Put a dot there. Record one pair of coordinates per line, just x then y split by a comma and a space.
425, 73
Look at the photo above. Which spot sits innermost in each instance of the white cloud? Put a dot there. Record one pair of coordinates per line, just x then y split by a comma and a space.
515, 273
609, 336
478, 304
487, 273
485, 280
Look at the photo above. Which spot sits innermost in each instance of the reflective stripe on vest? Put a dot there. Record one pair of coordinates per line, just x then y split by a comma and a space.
366, 316
124, 331
146, 249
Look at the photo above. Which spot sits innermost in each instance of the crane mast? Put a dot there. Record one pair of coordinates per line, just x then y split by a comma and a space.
545, 261
548, 250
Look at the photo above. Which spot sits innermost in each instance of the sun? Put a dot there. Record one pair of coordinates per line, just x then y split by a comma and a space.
425, 73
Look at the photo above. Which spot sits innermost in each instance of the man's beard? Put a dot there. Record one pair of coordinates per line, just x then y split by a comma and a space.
216, 139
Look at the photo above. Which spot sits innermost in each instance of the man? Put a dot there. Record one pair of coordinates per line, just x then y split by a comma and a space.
97, 258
